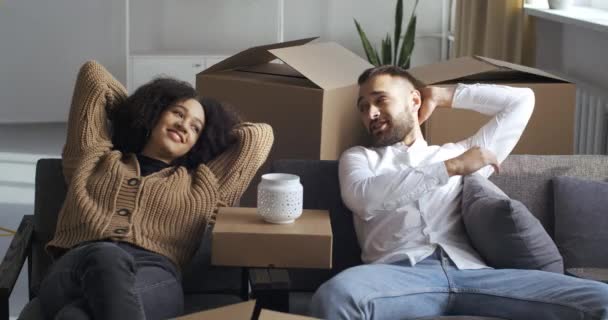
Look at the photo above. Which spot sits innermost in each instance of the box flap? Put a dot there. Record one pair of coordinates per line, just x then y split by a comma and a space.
450, 70
253, 56
521, 68
479, 69
237, 311
327, 64
277, 69
266, 314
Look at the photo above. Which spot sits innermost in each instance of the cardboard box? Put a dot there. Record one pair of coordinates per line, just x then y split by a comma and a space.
309, 99
241, 311
274, 315
237, 311
551, 128
242, 238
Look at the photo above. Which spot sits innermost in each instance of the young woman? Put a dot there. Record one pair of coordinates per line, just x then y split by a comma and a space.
141, 193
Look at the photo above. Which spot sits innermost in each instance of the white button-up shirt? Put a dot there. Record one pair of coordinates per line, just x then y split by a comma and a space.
404, 203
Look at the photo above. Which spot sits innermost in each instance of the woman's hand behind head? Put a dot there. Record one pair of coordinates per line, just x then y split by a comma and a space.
166, 120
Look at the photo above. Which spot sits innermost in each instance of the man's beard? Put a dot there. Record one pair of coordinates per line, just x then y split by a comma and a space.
399, 128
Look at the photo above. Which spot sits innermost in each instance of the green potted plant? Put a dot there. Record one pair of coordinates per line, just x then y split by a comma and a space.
390, 52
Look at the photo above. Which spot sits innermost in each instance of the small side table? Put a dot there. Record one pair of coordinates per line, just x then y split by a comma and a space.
241, 238
597, 274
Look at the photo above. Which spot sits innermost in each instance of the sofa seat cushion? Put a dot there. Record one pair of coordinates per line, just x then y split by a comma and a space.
503, 231
581, 221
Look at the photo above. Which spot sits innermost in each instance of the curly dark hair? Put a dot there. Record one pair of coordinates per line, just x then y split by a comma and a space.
133, 119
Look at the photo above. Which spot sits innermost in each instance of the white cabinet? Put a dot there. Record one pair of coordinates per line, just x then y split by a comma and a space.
147, 67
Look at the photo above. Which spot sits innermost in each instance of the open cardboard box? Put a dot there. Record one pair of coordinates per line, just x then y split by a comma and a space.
241, 311
551, 128
237, 311
309, 98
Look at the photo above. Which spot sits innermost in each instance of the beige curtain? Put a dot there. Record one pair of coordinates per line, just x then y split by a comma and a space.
496, 29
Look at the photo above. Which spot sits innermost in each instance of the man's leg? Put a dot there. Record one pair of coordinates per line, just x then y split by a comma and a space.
527, 294
384, 291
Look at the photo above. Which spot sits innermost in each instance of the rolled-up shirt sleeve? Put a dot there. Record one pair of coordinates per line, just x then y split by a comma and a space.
367, 194
510, 109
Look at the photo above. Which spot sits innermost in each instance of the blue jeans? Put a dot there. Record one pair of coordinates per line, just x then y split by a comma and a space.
109, 280
435, 287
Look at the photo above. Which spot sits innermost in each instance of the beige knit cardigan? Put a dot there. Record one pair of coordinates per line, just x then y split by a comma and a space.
165, 212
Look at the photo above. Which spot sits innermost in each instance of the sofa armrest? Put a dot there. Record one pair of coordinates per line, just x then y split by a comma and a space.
13, 262
270, 288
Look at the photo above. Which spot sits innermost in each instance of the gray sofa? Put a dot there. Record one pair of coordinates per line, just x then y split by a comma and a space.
526, 178
523, 177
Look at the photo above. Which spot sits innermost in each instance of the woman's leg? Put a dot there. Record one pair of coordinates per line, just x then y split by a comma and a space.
158, 284
77, 310
100, 271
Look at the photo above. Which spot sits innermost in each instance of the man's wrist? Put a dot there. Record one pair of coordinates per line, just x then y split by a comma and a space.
452, 166
445, 96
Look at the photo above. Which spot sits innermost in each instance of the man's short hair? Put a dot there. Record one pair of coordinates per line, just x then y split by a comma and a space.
391, 70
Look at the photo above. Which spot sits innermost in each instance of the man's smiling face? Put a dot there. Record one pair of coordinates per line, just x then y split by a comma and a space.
388, 106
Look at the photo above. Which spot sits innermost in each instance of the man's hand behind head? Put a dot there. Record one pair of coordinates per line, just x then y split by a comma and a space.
433, 97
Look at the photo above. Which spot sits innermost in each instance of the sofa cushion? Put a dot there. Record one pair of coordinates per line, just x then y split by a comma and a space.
527, 178
504, 231
581, 221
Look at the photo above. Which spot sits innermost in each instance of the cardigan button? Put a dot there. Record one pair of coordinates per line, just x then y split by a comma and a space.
120, 231
123, 212
133, 182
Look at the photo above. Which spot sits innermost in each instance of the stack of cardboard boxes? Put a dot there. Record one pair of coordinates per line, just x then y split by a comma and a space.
309, 98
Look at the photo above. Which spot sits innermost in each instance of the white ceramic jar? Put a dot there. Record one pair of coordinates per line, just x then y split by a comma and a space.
560, 4
280, 197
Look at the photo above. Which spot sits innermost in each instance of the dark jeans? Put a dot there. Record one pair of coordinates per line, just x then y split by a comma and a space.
110, 280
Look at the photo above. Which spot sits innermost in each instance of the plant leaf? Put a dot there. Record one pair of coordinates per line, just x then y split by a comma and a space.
386, 50
398, 22
408, 41
408, 45
370, 52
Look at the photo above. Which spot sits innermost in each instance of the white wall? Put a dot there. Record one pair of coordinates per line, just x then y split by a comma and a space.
229, 26
572, 50
579, 55
42, 44
377, 19
202, 26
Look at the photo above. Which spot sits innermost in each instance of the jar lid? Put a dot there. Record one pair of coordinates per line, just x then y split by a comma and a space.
280, 177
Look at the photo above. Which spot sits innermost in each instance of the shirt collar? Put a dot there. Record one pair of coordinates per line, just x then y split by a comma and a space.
418, 143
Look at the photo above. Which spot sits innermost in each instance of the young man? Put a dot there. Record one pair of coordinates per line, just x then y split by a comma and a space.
405, 196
